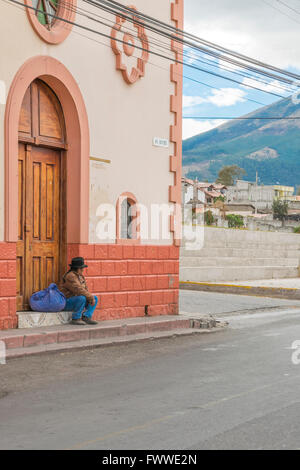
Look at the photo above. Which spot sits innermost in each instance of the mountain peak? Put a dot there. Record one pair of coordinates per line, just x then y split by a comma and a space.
269, 147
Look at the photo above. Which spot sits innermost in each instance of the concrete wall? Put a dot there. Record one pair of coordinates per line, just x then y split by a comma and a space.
222, 237
235, 255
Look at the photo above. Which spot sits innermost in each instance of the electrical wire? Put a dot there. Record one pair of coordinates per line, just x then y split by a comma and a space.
280, 11
288, 6
178, 32
280, 118
152, 52
184, 117
150, 63
165, 46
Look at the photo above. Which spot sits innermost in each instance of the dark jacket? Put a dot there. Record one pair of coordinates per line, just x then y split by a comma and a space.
73, 284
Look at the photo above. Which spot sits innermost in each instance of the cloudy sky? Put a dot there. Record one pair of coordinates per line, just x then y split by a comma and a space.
267, 30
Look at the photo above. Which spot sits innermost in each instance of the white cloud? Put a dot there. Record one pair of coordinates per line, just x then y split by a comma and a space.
193, 127
272, 87
227, 97
251, 28
189, 101
220, 98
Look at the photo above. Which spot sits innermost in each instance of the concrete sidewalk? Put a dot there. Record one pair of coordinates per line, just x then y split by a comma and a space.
277, 288
24, 342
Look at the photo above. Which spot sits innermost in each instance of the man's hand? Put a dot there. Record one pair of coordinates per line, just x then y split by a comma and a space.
93, 302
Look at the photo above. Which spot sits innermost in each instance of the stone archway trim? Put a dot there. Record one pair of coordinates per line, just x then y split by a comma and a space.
55, 74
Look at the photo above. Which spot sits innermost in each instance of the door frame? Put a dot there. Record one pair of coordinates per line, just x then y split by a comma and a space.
60, 80
62, 261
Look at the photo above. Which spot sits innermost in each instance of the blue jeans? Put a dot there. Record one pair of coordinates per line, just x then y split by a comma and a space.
79, 305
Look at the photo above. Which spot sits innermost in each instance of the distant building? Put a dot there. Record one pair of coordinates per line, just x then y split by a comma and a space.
285, 192
245, 192
240, 209
204, 193
262, 196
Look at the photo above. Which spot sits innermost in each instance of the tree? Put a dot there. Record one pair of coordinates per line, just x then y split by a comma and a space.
280, 209
235, 221
209, 218
229, 173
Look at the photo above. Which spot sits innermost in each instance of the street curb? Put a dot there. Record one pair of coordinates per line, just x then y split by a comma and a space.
116, 341
273, 292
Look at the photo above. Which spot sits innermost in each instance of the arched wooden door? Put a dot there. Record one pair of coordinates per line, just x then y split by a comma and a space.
41, 231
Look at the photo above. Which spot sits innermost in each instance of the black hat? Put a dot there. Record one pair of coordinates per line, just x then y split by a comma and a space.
77, 263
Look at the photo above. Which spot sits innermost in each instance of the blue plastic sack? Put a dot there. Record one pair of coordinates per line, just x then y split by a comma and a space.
48, 300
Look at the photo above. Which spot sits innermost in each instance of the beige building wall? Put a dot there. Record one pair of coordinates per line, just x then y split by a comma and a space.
123, 119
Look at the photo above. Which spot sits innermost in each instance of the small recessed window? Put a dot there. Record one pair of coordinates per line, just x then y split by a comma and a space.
45, 11
126, 220
52, 20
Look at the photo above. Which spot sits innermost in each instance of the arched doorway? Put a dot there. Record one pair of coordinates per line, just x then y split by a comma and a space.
41, 253
66, 92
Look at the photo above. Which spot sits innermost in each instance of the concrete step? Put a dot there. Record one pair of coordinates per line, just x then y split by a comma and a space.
236, 261
115, 340
240, 252
249, 243
235, 273
23, 342
43, 319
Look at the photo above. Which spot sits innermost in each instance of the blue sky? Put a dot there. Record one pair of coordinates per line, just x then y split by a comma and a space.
254, 29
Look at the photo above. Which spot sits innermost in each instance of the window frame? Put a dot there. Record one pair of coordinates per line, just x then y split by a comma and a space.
132, 200
60, 29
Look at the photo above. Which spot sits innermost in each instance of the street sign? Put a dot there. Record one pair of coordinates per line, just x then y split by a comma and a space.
159, 142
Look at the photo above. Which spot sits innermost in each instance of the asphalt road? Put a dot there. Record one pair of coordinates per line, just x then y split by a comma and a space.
235, 389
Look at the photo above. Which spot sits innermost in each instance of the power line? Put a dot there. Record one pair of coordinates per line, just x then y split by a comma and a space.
179, 32
162, 45
280, 118
280, 11
149, 51
150, 63
288, 6
102, 6
276, 77
184, 117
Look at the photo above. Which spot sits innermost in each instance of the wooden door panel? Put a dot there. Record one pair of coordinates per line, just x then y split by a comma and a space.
45, 243
38, 252
41, 237
50, 124
36, 270
36, 200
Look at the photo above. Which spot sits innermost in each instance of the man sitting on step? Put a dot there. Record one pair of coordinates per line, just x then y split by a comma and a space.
79, 299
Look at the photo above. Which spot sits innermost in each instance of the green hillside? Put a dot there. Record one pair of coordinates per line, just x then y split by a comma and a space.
271, 148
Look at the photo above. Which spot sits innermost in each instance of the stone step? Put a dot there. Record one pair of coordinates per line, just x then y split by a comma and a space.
236, 261
221, 236
235, 273
23, 342
43, 319
240, 252
264, 245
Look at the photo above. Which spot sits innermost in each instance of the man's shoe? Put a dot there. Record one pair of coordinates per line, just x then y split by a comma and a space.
89, 321
78, 322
